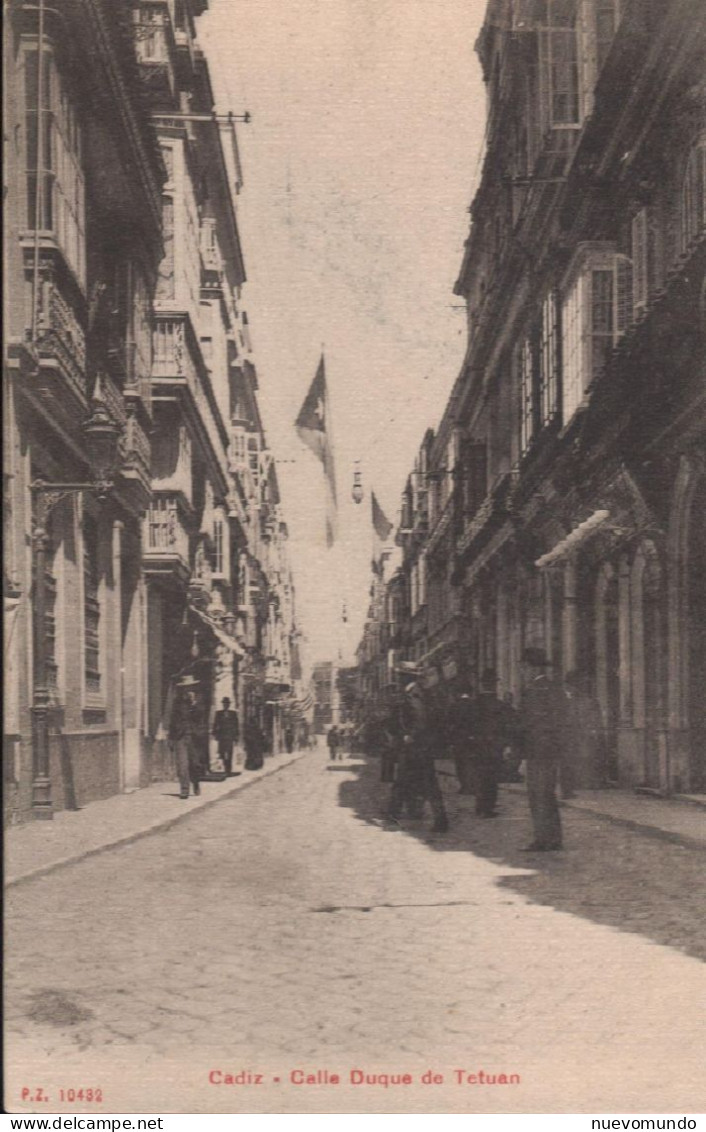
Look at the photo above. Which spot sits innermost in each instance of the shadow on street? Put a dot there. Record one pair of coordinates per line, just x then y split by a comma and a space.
607, 874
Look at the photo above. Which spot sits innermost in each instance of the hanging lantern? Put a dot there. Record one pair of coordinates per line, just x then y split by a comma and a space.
357, 492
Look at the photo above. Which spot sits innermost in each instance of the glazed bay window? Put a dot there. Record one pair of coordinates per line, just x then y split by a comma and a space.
54, 155
596, 310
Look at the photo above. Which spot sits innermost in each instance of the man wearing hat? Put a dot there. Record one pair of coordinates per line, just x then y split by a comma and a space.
226, 732
545, 731
184, 735
493, 726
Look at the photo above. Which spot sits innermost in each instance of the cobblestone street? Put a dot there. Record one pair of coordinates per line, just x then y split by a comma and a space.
287, 929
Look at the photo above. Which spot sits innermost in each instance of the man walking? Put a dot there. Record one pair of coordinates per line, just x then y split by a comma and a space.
184, 736
544, 732
226, 732
494, 726
332, 740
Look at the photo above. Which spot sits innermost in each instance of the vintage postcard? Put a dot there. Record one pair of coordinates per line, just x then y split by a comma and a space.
354, 556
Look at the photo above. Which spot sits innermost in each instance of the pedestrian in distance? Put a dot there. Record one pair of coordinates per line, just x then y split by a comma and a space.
332, 741
255, 744
544, 733
289, 739
459, 729
416, 781
185, 736
226, 731
494, 727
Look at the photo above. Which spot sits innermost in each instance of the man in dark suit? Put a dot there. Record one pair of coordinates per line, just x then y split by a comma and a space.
226, 731
545, 731
416, 780
493, 727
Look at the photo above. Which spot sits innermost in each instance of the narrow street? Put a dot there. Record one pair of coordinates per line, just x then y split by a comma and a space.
286, 929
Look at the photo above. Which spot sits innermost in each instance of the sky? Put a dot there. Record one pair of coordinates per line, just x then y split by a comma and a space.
359, 165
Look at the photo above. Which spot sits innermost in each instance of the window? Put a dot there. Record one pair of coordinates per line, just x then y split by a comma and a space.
55, 181
596, 311
539, 373
91, 607
549, 360
218, 551
475, 476
693, 197
140, 332
607, 18
640, 249
559, 64
50, 603
254, 461
238, 441
151, 35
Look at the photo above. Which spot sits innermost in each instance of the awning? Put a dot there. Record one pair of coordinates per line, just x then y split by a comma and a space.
220, 634
573, 540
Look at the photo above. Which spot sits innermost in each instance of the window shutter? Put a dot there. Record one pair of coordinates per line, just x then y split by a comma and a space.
625, 293
526, 395
544, 85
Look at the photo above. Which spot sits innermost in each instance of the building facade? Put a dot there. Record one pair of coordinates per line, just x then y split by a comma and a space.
582, 398
123, 305
564, 496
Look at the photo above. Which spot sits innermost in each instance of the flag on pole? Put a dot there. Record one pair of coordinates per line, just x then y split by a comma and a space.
382, 529
314, 428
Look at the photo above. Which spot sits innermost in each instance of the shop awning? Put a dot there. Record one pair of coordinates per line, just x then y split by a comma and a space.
219, 633
573, 540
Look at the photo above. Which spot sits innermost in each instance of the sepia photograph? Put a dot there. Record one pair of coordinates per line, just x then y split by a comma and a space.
354, 558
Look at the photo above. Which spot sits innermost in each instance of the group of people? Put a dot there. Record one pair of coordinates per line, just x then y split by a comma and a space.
557, 731
339, 741
189, 737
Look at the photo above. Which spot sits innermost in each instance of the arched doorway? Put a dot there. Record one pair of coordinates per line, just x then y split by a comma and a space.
648, 661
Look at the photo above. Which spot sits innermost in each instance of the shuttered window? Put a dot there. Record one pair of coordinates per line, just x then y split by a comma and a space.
91, 607
540, 373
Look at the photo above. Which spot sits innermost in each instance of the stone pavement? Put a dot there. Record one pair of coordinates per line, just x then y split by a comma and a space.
286, 931
38, 847
35, 848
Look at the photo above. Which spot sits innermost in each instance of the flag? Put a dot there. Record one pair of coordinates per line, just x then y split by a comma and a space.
314, 428
382, 529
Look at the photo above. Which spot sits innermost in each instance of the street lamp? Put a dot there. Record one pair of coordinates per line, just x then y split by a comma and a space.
101, 435
357, 492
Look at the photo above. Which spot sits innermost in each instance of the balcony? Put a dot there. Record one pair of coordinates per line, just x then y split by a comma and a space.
178, 367
185, 55
165, 540
136, 455
156, 49
61, 340
494, 508
211, 258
